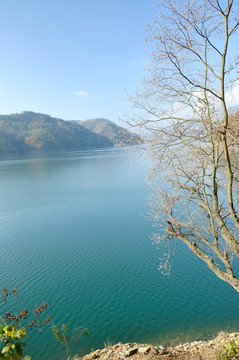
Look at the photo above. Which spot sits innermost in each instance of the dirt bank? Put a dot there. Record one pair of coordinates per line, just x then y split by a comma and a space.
197, 350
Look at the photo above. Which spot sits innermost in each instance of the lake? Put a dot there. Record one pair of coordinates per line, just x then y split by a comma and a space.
74, 233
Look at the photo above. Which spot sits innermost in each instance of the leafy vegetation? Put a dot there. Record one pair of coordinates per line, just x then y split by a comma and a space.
13, 345
13, 327
231, 351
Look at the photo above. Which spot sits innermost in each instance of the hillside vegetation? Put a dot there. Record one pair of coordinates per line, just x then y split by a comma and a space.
117, 134
29, 131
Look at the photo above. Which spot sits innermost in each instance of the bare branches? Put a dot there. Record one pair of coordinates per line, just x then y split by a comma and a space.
189, 133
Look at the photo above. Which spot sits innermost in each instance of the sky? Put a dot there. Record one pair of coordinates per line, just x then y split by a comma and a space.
72, 59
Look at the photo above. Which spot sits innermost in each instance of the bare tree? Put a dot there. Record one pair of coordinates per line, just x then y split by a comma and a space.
192, 139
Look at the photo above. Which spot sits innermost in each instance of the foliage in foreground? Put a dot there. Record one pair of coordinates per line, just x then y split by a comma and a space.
68, 338
13, 327
13, 344
231, 352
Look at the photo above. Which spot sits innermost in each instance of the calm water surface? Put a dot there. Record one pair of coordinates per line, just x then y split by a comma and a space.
72, 235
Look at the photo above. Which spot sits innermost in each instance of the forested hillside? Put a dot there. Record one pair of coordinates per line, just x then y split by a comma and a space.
31, 131
117, 134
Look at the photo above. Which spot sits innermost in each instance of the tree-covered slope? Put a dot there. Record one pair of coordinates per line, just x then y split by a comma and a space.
117, 134
31, 131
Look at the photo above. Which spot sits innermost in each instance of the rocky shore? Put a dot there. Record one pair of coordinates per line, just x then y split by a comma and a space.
197, 350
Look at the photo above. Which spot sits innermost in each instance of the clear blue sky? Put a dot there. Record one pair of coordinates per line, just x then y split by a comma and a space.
72, 59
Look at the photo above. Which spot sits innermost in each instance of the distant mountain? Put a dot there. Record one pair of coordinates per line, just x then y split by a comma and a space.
29, 131
117, 134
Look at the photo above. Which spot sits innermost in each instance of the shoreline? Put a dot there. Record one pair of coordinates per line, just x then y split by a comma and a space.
195, 350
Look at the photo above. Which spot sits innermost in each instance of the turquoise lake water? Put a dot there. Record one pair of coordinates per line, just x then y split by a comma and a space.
74, 234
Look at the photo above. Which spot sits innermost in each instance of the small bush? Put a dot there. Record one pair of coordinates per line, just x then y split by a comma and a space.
231, 351
13, 327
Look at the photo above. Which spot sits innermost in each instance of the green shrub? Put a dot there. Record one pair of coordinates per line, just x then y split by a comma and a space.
231, 351
12, 344
13, 327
